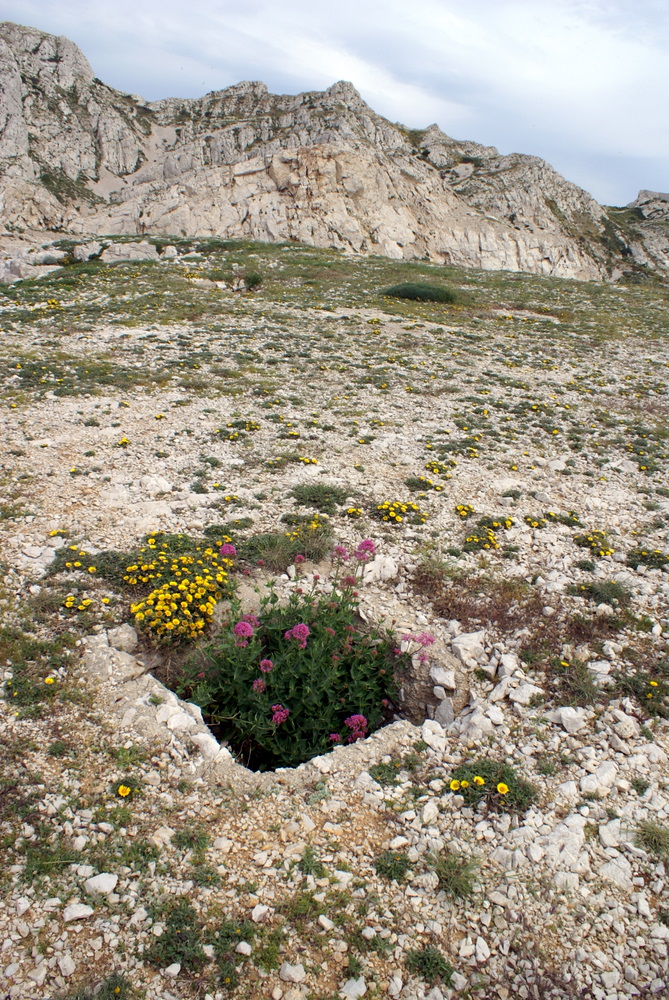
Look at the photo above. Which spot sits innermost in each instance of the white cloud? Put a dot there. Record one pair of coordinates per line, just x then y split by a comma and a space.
576, 80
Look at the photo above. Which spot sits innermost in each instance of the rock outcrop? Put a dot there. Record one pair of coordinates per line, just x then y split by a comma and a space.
322, 168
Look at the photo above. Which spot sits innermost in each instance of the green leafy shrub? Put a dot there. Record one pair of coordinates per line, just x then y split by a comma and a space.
289, 684
480, 540
399, 512
571, 518
181, 940
253, 279
420, 292
596, 541
500, 522
319, 495
602, 591
393, 865
455, 872
421, 484
277, 549
492, 781
653, 558
649, 688
653, 837
429, 963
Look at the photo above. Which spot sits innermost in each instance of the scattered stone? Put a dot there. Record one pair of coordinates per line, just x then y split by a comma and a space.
102, 884
77, 911
354, 988
292, 973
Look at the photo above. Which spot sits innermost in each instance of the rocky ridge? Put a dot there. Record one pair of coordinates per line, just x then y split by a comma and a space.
321, 168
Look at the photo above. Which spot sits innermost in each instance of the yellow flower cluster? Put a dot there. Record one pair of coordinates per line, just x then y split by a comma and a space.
485, 539
245, 425
496, 523
183, 604
456, 786
353, 512
596, 541
308, 461
395, 512
464, 510
430, 485
441, 468
303, 531
71, 601
535, 522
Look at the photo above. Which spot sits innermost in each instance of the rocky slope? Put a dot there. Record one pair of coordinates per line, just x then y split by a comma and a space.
321, 168
124, 382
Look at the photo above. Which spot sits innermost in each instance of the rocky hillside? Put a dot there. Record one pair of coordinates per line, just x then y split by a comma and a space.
507, 834
320, 168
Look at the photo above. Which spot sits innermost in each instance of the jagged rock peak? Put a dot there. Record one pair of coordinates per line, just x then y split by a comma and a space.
47, 58
652, 204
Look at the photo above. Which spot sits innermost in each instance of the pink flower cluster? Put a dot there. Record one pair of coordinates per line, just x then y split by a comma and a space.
365, 551
227, 551
358, 728
259, 685
423, 640
279, 714
266, 666
300, 633
243, 631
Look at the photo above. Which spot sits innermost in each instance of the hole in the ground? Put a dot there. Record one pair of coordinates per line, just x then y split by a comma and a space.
292, 680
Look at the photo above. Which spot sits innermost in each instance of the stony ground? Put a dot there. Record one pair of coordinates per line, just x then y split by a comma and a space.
147, 397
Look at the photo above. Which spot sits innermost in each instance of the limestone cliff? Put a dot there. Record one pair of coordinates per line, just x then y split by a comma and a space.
322, 168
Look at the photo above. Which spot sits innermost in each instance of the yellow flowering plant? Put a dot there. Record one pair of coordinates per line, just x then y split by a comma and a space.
596, 541
494, 783
126, 788
186, 586
398, 512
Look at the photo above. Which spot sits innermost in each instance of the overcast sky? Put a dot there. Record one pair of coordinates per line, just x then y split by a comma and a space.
582, 83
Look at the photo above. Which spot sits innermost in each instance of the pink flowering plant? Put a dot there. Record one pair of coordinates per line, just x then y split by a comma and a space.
298, 679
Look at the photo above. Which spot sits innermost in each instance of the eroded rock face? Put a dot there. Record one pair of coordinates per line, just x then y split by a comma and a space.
321, 168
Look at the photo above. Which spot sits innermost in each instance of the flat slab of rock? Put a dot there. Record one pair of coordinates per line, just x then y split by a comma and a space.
102, 884
292, 973
129, 251
77, 911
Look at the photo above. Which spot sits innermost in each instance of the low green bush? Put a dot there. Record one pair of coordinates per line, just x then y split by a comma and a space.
492, 781
653, 837
276, 550
652, 558
429, 963
319, 495
297, 679
393, 865
420, 292
602, 592
456, 873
